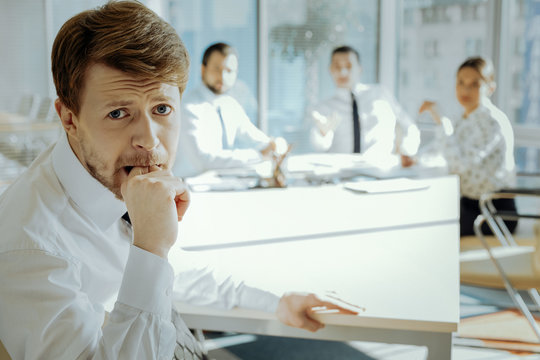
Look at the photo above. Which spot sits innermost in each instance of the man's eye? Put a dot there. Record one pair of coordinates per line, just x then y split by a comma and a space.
163, 109
117, 114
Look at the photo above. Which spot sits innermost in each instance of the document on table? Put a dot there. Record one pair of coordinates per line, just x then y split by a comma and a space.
386, 186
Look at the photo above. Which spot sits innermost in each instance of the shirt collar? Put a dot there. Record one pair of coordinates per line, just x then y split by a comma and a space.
94, 199
357, 89
483, 107
343, 93
486, 102
208, 95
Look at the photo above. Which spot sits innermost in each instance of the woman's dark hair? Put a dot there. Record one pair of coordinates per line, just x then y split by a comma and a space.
482, 65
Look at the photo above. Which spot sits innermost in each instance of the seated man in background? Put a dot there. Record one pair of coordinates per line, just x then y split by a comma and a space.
361, 118
216, 132
68, 246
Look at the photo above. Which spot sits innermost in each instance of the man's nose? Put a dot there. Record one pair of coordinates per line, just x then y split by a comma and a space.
145, 137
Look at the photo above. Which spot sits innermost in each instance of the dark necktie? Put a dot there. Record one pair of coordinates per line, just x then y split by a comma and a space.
356, 123
126, 218
224, 139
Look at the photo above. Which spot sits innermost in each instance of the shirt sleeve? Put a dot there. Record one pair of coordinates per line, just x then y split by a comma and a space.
203, 151
407, 131
46, 313
205, 287
248, 135
474, 149
318, 141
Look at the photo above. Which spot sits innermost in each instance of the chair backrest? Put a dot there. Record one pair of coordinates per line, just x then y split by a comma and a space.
3, 353
28, 105
45, 111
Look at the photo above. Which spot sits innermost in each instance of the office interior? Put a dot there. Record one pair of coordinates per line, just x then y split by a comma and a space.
411, 47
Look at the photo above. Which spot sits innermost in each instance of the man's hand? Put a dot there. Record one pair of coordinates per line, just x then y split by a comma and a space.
326, 124
156, 200
407, 161
269, 149
296, 309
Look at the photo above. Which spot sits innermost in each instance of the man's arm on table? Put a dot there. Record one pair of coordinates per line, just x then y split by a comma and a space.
200, 284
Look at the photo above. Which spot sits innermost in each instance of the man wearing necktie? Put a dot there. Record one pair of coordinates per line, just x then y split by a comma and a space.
216, 131
78, 280
361, 118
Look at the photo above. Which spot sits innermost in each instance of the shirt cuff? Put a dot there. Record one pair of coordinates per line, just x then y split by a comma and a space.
147, 283
447, 126
253, 298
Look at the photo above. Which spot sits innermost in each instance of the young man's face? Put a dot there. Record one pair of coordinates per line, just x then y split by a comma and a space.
345, 69
123, 122
220, 72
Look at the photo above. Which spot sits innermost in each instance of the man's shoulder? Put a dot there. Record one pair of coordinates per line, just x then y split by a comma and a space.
30, 208
372, 89
194, 96
195, 102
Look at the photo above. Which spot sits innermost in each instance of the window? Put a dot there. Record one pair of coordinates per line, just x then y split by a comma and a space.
453, 30
525, 62
473, 46
431, 48
473, 12
435, 48
300, 41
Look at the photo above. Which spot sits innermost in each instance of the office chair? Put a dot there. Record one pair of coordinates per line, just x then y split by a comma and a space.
494, 218
3, 353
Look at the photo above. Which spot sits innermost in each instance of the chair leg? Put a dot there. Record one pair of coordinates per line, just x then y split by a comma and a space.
514, 294
535, 296
199, 335
507, 239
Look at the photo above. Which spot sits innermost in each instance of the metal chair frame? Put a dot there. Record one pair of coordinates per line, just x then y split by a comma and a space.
494, 219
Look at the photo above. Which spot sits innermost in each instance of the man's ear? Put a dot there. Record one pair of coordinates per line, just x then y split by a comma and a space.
68, 118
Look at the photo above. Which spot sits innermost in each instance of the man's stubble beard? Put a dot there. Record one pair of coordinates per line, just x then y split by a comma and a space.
212, 88
97, 167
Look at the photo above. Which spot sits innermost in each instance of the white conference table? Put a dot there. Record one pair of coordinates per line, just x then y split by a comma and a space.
395, 253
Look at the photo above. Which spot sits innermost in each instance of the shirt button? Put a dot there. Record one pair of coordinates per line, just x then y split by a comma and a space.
168, 292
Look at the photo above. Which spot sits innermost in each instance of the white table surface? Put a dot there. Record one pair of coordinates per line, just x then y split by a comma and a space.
396, 254
262, 215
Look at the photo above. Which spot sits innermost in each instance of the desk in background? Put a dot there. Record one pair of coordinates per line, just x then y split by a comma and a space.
316, 169
394, 253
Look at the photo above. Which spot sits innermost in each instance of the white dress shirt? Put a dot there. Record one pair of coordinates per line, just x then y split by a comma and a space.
379, 113
66, 257
203, 145
480, 149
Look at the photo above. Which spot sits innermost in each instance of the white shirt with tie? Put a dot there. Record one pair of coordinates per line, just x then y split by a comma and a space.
66, 257
381, 118
203, 143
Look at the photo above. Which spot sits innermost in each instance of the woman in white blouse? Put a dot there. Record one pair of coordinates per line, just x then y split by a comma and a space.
479, 145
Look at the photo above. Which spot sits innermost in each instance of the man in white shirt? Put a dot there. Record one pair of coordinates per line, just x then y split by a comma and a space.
361, 118
68, 249
216, 132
